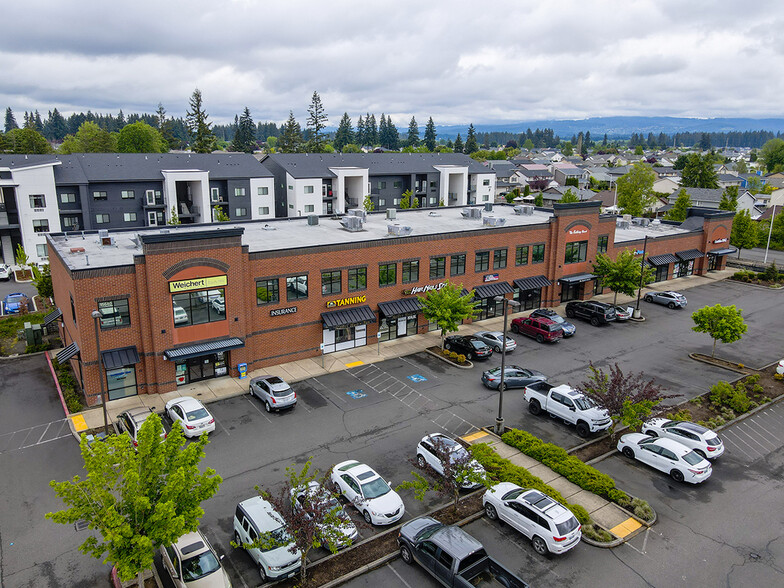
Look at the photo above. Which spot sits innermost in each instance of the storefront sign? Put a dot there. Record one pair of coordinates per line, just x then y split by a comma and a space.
577, 232
197, 284
638, 251
282, 311
428, 288
119, 374
347, 301
491, 277
720, 240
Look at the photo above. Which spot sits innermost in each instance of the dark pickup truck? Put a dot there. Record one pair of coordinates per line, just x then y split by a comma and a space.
452, 556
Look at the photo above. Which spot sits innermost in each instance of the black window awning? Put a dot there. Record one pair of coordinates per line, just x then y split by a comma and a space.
493, 290
725, 251
198, 349
67, 353
52, 316
348, 317
665, 259
402, 307
532, 283
576, 278
117, 358
690, 254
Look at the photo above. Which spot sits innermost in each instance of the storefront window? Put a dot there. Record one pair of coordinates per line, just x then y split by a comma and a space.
576, 252
114, 313
437, 267
267, 292
330, 282
499, 259
521, 255
457, 267
296, 287
121, 382
410, 271
537, 253
482, 262
387, 274
601, 246
344, 334
357, 279
528, 299
196, 308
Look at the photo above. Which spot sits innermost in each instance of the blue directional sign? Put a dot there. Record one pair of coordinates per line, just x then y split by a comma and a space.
356, 394
417, 378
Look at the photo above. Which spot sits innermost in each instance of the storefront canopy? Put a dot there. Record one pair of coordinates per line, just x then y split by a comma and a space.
665, 259
117, 358
576, 278
198, 349
532, 283
690, 254
402, 307
67, 353
725, 251
492, 290
52, 316
348, 317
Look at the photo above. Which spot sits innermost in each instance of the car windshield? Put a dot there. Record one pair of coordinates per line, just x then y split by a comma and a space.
197, 415
478, 345
692, 458
199, 566
16, 298
375, 488
567, 526
427, 532
584, 403
277, 537
556, 318
713, 441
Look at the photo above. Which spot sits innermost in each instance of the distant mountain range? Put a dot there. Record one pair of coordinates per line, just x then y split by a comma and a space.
620, 127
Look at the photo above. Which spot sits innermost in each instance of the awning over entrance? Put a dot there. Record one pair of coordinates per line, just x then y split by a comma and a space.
348, 317
189, 351
725, 251
493, 290
665, 259
52, 316
576, 278
401, 307
690, 254
532, 283
67, 353
117, 358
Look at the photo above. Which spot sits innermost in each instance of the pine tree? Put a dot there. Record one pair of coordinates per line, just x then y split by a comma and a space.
203, 140
413, 133
430, 135
345, 134
371, 131
317, 120
470, 144
458, 144
383, 132
245, 135
10, 120
55, 128
290, 140
680, 208
394, 136
361, 134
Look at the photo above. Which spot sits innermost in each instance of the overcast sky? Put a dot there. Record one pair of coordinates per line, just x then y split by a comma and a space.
456, 61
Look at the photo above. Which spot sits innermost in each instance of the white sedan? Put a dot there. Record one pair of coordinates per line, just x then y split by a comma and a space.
666, 455
694, 436
368, 492
192, 416
433, 449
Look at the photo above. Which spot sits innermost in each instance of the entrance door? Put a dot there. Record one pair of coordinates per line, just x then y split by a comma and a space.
712, 262
571, 291
201, 368
530, 299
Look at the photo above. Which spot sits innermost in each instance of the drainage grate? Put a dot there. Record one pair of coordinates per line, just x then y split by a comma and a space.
80, 525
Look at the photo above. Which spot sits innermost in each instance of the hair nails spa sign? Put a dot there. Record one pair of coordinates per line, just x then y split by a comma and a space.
197, 284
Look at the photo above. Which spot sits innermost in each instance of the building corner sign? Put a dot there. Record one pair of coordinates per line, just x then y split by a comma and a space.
420, 289
490, 277
724, 240
283, 311
347, 301
197, 284
577, 231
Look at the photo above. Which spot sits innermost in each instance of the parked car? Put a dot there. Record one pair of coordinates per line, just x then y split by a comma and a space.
569, 405
219, 305
13, 303
568, 328
319, 495
191, 414
598, 313
180, 316
255, 516
430, 452
701, 439
539, 328
131, 421
273, 391
514, 377
551, 527
470, 346
368, 492
666, 455
494, 338
669, 299
5, 272
193, 563
623, 313
780, 367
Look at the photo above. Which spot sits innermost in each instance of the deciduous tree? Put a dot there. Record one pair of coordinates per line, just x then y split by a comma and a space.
623, 274
42, 280
140, 137
90, 138
28, 140
680, 208
744, 231
568, 197
448, 307
722, 323
635, 189
772, 155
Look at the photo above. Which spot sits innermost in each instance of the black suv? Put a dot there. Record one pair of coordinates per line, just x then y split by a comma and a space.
599, 313
470, 346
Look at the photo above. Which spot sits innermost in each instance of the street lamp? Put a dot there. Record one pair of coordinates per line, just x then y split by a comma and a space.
96, 315
637, 314
499, 420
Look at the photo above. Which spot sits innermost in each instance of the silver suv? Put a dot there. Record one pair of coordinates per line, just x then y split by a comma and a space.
131, 421
193, 563
273, 391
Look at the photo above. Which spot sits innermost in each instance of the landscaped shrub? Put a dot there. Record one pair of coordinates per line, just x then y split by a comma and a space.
683, 414
597, 533
461, 358
736, 398
642, 509
453, 355
69, 386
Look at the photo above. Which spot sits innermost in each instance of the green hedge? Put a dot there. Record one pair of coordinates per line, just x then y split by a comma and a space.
505, 471
570, 467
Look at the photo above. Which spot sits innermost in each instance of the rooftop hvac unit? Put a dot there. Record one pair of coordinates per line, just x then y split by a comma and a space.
525, 209
655, 223
391, 213
623, 224
103, 233
488, 207
472, 213
312, 220
398, 230
643, 222
493, 221
359, 213
627, 218
351, 223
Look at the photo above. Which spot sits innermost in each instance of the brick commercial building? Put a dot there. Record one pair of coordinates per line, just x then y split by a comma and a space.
181, 304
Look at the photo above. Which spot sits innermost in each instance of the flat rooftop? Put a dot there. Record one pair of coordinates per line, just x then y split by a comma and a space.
638, 233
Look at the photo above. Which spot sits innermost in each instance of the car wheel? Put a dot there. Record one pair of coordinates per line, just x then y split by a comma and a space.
448, 346
534, 407
262, 573
267, 406
515, 329
497, 349
701, 453
490, 511
469, 355
569, 313
539, 339
628, 452
671, 305
502, 387
583, 430
539, 545
421, 461
368, 520
594, 321
677, 475
648, 298
237, 539
405, 554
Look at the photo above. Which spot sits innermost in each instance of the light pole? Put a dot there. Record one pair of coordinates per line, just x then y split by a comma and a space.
636, 312
770, 231
96, 315
499, 420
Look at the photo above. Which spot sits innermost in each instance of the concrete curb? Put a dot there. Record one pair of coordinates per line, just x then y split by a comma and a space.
702, 358
449, 361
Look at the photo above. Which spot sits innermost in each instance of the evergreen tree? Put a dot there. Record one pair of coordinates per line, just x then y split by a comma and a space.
604, 141
120, 123
394, 136
458, 147
470, 144
729, 199
203, 140
680, 208
38, 124
317, 120
371, 131
345, 133
10, 120
290, 140
430, 135
698, 172
361, 135
55, 128
413, 133
245, 137
383, 132
166, 127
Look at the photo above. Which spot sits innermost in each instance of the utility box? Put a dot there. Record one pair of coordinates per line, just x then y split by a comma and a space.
33, 334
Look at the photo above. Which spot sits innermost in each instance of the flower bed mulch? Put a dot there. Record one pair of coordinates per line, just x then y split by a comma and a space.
435, 349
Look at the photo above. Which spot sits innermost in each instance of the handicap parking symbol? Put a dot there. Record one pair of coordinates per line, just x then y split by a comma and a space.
356, 394
417, 378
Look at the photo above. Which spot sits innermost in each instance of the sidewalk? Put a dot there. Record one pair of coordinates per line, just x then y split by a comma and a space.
217, 389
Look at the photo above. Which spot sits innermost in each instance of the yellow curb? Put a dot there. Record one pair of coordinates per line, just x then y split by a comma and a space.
355, 363
79, 423
626, 527
474, 436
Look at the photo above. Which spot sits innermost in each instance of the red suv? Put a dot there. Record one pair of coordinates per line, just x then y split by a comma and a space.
540, 328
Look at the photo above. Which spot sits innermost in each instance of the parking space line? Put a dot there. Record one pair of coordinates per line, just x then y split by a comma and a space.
44, 433
746, 444
741, 430
764, 429
731, 442
394, 571
258, 410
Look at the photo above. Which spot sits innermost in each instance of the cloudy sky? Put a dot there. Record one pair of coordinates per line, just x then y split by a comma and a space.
456, 61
